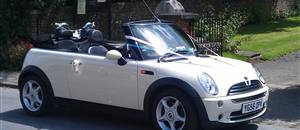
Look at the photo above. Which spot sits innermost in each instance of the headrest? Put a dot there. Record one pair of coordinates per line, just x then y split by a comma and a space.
96, 36
98, 50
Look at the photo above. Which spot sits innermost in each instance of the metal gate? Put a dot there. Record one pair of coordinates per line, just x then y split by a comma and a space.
208, 32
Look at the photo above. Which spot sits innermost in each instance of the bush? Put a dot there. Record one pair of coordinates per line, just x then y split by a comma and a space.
296, 10
13, 20
12, 55
259, 13
15, 17
233, 20
15, 27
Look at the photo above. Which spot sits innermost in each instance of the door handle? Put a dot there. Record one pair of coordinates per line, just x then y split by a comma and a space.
75, 64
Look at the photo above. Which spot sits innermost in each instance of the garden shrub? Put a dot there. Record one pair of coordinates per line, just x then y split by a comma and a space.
13, 20
12, 55
296, 10
233, 21
15, 28
259, 13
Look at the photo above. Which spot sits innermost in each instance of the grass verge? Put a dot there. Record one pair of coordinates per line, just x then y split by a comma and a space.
273, 39
235, 56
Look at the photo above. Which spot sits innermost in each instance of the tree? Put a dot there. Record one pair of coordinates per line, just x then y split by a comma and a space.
13, 20
46, 6
15, 17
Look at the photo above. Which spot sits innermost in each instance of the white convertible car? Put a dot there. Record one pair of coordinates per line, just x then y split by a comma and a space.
158, 71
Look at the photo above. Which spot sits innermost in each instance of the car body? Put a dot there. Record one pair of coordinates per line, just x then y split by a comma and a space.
134, 74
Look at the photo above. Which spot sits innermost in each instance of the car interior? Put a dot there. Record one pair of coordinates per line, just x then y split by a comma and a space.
94, 45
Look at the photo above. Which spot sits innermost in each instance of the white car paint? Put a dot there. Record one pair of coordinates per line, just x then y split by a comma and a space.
99, 80
103, 81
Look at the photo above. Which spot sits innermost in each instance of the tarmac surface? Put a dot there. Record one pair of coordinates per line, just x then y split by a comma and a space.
283, 78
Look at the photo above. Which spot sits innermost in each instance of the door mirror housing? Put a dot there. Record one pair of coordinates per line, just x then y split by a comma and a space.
113, 55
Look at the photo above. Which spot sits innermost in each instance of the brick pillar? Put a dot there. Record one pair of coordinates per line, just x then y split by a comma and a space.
35, 23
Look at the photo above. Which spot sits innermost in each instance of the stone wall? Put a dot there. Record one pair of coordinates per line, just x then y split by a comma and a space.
122, 12
44, 22
284, 6
128, 11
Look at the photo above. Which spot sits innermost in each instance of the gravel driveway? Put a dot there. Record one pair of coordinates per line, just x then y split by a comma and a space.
283, 72
283, 78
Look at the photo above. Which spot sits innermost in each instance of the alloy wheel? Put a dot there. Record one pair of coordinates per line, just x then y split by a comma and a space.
170, 114
32, 95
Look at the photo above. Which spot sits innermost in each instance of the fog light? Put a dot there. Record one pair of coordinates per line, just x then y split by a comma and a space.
220, 116
220, 103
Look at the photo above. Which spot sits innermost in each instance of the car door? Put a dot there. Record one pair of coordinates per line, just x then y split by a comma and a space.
99, 80
56, 65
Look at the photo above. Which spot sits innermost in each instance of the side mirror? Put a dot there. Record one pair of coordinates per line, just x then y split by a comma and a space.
113, 55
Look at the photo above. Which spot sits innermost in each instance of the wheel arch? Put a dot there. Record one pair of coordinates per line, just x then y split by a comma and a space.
174, 83
36, 71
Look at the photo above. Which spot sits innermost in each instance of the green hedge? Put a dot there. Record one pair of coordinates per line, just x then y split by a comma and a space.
12, 55
13, 20
15, 28
15, 17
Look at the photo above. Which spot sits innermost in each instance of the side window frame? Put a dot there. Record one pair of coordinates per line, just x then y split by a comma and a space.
131, 46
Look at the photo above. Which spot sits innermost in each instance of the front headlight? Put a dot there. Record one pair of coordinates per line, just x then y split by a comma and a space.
259, 75
208, 84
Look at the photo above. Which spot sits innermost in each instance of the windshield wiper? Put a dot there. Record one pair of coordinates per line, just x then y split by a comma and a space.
170, 54
163, 57
182, 51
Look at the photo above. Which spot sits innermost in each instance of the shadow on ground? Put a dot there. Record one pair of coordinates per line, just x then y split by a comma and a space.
284, 104
91, 120
76, 119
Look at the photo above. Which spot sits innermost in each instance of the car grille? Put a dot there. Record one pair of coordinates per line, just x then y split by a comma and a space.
240, 88
238, 115
258, 96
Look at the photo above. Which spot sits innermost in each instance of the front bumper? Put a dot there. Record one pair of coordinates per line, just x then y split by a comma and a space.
231, 110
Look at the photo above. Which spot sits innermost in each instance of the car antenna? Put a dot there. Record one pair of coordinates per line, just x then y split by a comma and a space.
149, 9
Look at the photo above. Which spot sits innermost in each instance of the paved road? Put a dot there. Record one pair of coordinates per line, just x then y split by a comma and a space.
283, 72
14, 118
283, 77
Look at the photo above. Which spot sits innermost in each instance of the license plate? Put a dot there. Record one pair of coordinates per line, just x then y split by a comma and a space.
252, 106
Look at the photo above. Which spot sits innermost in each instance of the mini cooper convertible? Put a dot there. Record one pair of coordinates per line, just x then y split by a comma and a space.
158, 71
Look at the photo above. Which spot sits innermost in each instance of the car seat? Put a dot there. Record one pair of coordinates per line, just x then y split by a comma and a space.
95, 38
67, 45
97, 50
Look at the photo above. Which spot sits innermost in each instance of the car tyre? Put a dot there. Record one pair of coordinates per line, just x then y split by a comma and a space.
173, 110
35, 96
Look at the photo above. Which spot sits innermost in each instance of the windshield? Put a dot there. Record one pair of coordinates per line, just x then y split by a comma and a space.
162, 38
